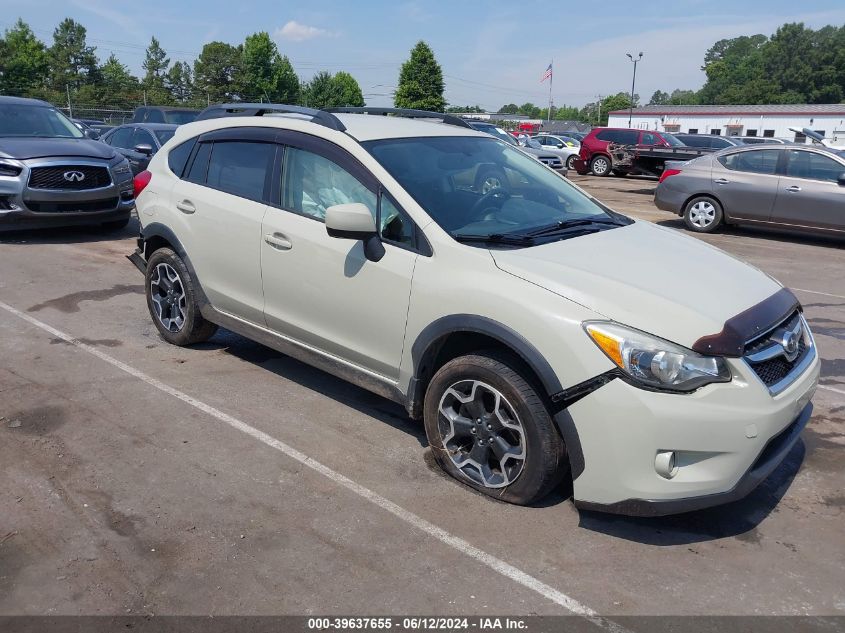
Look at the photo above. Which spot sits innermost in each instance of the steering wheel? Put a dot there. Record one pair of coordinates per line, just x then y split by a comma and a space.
498, 195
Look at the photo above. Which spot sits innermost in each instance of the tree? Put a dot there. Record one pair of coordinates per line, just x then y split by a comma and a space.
287, 83
72, 62
216, 71
510, 108
529, 110
468, 108
567, 113
24, 63
348, 89
420, 81
322, 92
659, 98
155, 64
264, 74
683, 97
118, 87
179, 82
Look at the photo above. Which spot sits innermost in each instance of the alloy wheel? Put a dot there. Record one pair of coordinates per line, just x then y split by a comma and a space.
481, 433
168, 297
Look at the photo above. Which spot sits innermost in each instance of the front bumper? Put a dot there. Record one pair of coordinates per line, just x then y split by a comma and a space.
727, 438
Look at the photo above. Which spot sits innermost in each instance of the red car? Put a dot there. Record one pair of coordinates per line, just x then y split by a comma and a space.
594, 151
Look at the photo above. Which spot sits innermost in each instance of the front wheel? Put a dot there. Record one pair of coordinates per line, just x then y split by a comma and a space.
172, 302
570, 162
703, 214
489, 428
600, 165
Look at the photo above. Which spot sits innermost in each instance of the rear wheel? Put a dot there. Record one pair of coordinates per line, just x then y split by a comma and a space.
703, 214
172, 301
489, 428
600, 165
570, 162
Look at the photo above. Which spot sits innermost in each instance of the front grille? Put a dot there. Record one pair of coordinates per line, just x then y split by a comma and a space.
105, 204
777, 367
67, 177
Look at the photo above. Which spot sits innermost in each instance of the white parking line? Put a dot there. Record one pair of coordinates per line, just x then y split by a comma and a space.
816, 292
496, 564
841, 392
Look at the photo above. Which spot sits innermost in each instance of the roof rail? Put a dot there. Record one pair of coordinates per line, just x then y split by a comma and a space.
220, 110
448, 119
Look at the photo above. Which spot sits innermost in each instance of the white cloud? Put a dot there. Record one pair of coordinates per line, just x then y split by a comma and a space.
297, 32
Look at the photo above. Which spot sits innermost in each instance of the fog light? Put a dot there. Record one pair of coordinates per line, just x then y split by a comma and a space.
664, 464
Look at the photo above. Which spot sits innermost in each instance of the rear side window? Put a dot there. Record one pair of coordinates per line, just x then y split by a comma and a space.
121, 138
760, 161
142, 137
241, 168
178, 157
199, 167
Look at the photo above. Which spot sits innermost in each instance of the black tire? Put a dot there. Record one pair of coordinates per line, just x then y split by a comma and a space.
491, 178
544, 463
115, 225
194, 328
601, 165
570, 162
703, 214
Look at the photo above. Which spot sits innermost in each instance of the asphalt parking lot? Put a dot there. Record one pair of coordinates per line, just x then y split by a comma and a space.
142, 478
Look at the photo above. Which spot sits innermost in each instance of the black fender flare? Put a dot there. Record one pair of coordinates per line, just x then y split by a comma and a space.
429, 342
157, 229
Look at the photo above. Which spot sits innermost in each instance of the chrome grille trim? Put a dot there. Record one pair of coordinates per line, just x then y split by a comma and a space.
766, 356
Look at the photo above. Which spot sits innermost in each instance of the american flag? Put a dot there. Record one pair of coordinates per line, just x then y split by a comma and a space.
547, 74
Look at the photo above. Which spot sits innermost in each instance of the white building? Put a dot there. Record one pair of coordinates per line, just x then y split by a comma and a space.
738, 120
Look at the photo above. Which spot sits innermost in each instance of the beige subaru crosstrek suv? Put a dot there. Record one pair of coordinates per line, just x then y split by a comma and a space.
537, 333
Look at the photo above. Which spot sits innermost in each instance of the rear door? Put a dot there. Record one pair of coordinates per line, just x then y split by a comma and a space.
221, 202
746, 183
809, 194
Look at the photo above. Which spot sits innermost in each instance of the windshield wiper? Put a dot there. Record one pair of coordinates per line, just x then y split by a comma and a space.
496, 238
565, 225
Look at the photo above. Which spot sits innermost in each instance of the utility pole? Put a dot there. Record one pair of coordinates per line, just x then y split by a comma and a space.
69, 105
598, 105
551, 79
633, 84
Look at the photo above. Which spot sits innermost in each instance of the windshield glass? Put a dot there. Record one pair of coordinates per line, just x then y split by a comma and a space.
673, 141
481, 186
164, 136
35, 121
180, 117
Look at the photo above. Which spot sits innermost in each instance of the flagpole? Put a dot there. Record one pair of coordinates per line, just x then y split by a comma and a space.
551, 79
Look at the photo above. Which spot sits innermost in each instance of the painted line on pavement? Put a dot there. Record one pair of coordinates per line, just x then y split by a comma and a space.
496, 564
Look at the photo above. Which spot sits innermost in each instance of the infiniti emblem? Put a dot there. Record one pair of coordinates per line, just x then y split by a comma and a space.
73, 176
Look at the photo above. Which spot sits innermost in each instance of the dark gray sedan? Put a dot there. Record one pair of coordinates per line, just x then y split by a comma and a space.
791, 186
139, 141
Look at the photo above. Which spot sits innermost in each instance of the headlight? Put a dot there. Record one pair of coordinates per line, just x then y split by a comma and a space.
654, 362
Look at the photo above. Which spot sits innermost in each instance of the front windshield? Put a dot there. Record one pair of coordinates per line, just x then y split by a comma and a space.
180, 117
35, 121
481, 186
672, 140
164, 136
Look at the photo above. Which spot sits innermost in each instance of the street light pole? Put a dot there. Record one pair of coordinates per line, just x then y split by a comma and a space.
633, 85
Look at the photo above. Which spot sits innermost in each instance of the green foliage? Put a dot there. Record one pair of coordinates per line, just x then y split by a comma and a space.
348, 89
24, 64
179, 83
118, 88
510, 108
72, 62
216, 72
468, 108
264, 74
421, 81
566, 113
659, 98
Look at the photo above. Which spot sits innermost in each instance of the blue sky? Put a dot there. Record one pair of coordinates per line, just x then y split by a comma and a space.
491, 52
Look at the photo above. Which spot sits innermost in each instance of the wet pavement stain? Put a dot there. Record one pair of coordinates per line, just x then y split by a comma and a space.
39, 421
94, 342
70, 302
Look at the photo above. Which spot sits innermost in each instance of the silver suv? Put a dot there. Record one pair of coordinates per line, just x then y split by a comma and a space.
537, 333
51, 175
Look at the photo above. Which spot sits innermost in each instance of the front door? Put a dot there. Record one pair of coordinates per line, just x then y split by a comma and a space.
323, 291
746, 183
809, 193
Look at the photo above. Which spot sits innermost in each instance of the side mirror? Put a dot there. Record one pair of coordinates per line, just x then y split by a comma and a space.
841, 179
560, 145
143, 148
94, 135
355, 222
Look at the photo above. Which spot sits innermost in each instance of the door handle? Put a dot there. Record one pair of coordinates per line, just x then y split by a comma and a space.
721, 181
278, 241
793, 189
186, 206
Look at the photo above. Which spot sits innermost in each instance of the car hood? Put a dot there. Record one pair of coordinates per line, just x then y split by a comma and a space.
648, 277
24, 148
